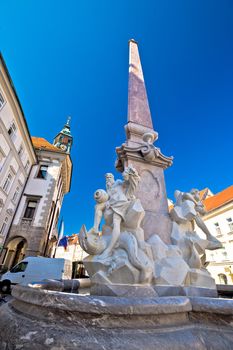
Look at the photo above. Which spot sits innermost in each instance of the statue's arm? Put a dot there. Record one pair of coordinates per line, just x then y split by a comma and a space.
101, 198
99, 209
199, 206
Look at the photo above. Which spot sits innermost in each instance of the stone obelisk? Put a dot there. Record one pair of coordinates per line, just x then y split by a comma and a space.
139, 151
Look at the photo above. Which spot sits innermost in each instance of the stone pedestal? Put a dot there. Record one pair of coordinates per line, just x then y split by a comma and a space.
152, 194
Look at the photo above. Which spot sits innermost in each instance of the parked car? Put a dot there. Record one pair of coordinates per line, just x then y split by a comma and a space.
35, 269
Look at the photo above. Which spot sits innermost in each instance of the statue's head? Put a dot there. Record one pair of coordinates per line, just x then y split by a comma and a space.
109, 178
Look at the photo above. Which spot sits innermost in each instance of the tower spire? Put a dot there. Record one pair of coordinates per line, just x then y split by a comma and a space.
64, 139
138, 105
68, 121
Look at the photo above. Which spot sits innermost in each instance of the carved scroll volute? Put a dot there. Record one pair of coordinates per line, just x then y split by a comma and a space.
148, 153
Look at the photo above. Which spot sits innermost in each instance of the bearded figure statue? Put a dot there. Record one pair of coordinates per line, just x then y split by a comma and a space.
120, 245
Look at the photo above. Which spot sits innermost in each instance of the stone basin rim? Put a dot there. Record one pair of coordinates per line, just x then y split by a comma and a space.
101, 304
121, 305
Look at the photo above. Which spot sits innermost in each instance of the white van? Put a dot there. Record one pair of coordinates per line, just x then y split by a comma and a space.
35, 269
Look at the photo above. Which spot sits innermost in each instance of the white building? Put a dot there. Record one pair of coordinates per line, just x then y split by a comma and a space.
219, 220
34, 177
34, 228
74, 253
17, 154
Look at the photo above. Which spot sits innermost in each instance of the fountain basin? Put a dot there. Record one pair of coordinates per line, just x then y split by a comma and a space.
42, 319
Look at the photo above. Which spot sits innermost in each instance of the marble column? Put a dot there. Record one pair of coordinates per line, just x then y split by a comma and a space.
139, 150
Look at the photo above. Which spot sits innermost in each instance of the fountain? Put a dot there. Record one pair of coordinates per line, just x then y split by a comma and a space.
149, 286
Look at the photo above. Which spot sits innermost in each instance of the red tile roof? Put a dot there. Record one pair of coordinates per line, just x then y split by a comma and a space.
73, 239
41, 143
219, 199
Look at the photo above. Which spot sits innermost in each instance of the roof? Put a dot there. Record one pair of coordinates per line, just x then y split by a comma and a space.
41, 143
73, 239
219, 199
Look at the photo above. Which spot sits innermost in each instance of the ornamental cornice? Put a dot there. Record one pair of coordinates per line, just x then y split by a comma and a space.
146, 152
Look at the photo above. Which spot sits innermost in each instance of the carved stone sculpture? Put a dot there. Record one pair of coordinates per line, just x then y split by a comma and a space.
119, 254
187, 210
122, 262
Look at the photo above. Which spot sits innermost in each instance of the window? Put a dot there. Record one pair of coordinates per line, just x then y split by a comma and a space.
224, 253
16, 194
12, 131
42, 173
217, 227
212, 256
30, 210
2, 101
27, 166
230, 223
2, 159
3, 227
7, 183
20, 151
21, 267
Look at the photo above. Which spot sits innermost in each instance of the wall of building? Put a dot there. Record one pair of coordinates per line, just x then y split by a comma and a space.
76, 254
16, 154
73, 252
20, 161
47, 194
43, 189
220, 260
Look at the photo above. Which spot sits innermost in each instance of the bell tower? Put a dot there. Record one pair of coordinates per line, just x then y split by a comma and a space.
64, 139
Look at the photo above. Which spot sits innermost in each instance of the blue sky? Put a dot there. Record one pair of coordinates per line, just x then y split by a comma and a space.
71, 58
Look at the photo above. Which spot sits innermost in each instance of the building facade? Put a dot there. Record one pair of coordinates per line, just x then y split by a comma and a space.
17, 155
34, 177
34, 228
219, 220
74, 253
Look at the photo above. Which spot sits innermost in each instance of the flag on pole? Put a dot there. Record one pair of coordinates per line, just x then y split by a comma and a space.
63, 242
61, 229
